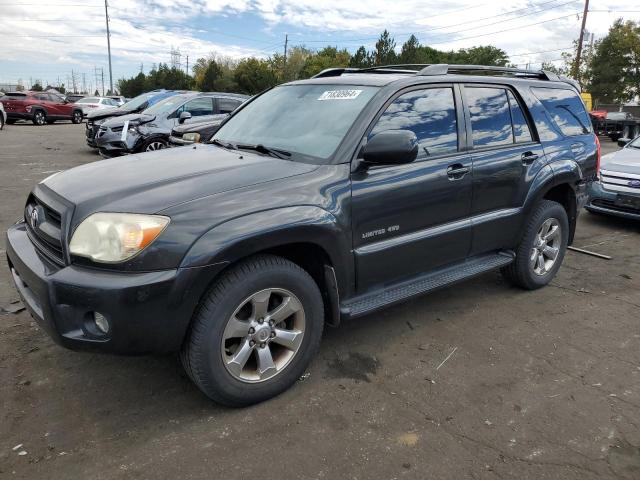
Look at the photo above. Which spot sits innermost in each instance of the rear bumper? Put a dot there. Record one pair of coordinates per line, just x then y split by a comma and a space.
148, 312
604, 201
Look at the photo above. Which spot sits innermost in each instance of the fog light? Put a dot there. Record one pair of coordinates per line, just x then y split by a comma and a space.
101, 322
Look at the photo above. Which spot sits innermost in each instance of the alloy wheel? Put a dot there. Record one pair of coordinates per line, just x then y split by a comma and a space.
77, 117
153, 146
546, 247
263, 335
40, 118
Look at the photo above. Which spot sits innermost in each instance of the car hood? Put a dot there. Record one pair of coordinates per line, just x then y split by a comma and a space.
154, 181
107, 112
626, 160
132, 118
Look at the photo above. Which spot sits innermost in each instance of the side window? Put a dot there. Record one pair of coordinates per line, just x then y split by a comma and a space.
566, 110
42, 97
430, 114
226, 105
521, 130
198, 107
490, 117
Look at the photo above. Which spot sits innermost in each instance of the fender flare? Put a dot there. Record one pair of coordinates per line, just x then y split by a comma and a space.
246, 235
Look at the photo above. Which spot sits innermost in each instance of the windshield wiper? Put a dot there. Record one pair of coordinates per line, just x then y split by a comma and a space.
274, 152
220, 143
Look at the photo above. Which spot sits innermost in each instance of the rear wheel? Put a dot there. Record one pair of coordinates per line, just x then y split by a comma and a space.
39, 118
541, 250
76, 117
11, 121
255, 332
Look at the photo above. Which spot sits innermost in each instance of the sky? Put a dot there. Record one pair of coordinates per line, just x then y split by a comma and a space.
49, 40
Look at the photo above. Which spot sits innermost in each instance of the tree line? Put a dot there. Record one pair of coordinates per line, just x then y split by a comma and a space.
253, 75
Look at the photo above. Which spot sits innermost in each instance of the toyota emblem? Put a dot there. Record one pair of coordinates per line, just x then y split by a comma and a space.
33, 218
634, 183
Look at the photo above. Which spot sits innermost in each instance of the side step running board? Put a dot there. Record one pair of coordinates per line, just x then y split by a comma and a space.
434, 280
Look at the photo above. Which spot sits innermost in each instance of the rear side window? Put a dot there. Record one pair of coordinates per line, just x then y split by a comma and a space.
566, 110
521, 130
490, 116
430, 114
226, 105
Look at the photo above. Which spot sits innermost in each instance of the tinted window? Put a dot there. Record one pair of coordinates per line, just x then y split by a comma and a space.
430, 114
226, 105
490, 117
199, 107
520, 127
566, 110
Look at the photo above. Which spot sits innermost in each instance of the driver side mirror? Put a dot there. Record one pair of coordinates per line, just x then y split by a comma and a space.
184, 116
392, 147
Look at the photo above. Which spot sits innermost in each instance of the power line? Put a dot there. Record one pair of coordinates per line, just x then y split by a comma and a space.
524, 54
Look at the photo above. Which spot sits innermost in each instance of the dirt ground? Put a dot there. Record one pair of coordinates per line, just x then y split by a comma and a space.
480, 380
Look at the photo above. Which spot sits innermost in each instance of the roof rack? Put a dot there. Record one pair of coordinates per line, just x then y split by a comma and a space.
444, 69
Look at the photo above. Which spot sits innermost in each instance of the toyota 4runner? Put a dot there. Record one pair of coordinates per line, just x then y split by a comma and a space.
318, 200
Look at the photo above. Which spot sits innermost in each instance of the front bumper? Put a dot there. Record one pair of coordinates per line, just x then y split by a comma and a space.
111, 144
606, 202
148, 312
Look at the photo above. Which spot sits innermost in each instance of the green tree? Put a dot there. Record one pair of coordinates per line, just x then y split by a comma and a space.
36, 87
410, 52
361, 59
253, 75
385, 50
328, 57
615, 66
210, 76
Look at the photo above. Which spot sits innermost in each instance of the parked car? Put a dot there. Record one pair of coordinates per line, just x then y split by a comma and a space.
617, 191
150, 129
200, 132
91, 104
119, 99
39, 107
73, 97
137, 104
615, 125
3, 116
318, 200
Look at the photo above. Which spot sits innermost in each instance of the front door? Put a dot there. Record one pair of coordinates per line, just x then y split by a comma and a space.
408, 219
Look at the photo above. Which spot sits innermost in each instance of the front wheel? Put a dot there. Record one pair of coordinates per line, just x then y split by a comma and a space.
76, 117
255, 332
39, 118
542, 248
154, 144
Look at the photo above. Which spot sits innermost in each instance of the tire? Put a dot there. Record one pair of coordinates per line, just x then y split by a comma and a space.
154, 144
524, 271
76, 117
234, 301
39, 118
11, 121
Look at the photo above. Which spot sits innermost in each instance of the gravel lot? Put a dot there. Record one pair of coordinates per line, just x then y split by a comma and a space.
542, 384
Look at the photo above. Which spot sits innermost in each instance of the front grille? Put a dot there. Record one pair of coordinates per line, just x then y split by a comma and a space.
611, 205
620, 182
44, 227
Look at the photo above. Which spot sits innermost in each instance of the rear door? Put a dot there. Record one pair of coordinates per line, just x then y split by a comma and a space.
409, 219
506, 157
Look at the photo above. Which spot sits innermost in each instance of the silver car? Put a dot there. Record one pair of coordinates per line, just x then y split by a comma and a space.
618, 190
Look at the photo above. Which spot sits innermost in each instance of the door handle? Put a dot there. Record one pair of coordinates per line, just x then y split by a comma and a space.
457, 171
529, 157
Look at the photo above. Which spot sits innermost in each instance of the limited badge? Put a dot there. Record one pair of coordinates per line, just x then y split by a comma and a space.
339, 94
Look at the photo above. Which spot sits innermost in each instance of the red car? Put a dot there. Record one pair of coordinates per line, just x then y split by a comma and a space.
39, 107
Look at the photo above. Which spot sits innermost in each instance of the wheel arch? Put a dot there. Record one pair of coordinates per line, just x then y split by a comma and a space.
306, 235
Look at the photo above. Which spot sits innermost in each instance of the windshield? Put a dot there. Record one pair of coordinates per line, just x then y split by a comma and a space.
167, 105
135, 103
306, 120
635, 143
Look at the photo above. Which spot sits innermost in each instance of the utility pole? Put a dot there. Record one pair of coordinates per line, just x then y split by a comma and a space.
84, 82
284, 67
576, 68
73, 77
102, 73
106, 16
187, 65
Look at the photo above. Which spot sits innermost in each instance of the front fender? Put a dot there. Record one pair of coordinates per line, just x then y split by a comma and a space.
246, 235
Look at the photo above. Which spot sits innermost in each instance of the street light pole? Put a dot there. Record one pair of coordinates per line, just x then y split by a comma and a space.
106, 16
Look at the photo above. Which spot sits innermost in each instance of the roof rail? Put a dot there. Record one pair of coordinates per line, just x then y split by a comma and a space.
443, 69
333, 72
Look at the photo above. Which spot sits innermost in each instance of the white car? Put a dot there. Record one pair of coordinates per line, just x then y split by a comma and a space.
3, 116
90, 104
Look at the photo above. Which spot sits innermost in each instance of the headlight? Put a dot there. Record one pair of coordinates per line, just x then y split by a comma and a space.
115, 237
191, 137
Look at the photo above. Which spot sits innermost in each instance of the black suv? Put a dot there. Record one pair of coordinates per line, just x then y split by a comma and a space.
318, 200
